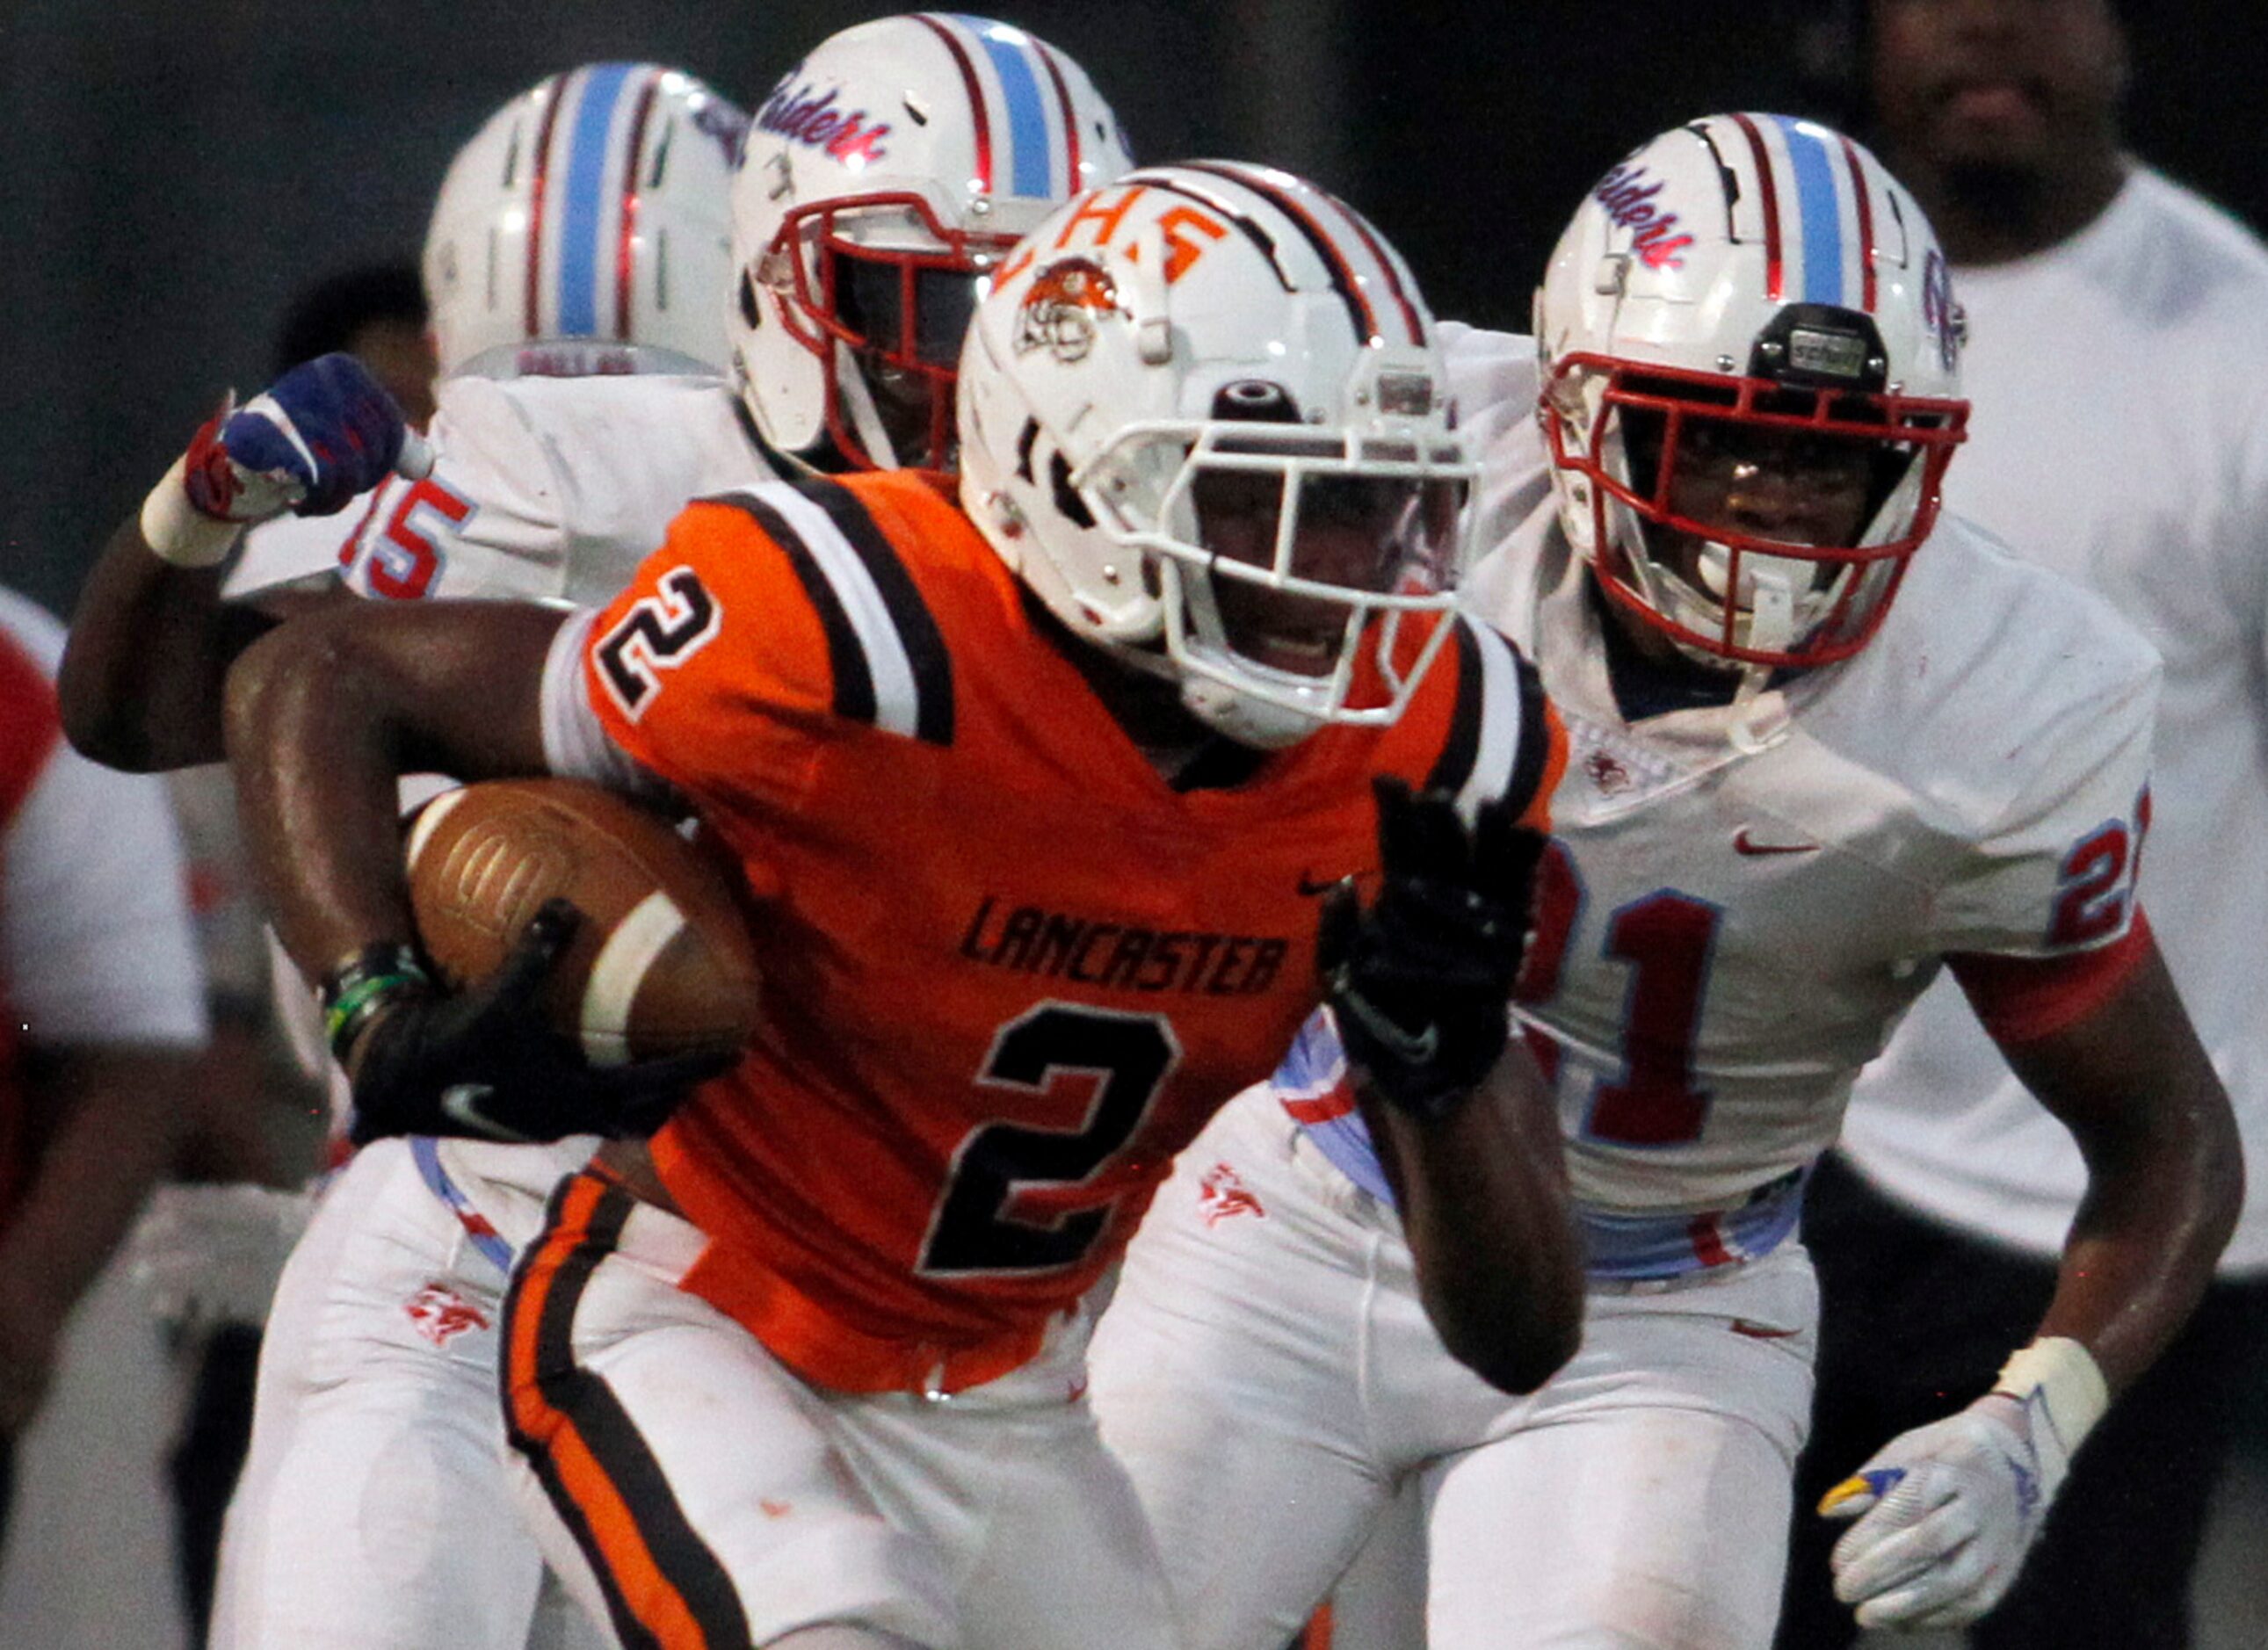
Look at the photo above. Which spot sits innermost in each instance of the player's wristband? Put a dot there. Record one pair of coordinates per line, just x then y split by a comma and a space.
2060, 1377
352, 993
177, 530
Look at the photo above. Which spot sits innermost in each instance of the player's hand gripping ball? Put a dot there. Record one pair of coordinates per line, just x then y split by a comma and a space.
592, 966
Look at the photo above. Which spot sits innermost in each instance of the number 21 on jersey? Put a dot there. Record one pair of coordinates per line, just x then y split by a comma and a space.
1666, 940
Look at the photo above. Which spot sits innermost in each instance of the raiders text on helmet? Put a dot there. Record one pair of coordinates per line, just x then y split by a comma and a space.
883, 176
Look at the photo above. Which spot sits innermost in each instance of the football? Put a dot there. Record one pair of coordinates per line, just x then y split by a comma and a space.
662, 963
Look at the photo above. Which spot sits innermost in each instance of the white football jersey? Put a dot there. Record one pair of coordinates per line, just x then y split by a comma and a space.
546, 490
1743, 900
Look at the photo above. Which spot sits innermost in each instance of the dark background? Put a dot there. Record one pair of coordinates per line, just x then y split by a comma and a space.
173, 173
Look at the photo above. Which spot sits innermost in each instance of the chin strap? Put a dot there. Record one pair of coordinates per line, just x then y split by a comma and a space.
1247, 720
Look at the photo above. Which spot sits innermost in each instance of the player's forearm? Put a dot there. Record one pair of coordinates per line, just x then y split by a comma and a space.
2142, 1248
1484, 1203
326, 712
313, 751
2165, 1169
142, 676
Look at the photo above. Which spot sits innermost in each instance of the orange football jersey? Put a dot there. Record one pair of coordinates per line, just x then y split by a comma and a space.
1009, 970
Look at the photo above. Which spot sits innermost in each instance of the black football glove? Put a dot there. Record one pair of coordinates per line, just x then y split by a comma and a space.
1421, 982
484, 1064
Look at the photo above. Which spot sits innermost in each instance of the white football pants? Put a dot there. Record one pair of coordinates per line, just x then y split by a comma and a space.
374, 1511
698, 1493
1268, 1378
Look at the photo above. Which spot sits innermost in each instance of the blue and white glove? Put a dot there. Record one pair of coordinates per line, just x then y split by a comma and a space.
1946, 1512
323, 432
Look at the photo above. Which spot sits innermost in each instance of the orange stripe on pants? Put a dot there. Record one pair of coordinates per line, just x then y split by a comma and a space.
621, 1552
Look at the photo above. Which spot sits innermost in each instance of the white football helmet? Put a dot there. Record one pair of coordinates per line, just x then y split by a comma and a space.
1203, 414
587, 228
1753, 298
885, 174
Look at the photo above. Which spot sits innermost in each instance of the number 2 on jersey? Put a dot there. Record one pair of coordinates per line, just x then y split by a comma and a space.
1665, 940
1009, 1204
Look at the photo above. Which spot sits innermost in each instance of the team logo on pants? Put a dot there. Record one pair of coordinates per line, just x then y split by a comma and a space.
441, 1313
1221, 1194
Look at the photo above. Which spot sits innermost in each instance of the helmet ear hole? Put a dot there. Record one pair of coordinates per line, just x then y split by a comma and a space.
752, 312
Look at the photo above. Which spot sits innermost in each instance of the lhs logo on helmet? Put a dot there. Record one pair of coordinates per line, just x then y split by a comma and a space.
1629, 200
1059, 313
803, 116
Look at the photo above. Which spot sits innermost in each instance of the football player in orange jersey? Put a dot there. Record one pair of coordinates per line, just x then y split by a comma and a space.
1040, 796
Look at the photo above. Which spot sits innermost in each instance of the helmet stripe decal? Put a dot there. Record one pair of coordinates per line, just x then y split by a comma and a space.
1029, 173
1343, 281
1393, 275
555, 93
1864, 197
1071, 182
1819, 209
585, 202
975, 90
626, 240
1774, 276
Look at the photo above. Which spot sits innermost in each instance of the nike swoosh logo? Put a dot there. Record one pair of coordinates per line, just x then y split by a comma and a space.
1744, 844
1756, 1331
461, 1104
1309, 889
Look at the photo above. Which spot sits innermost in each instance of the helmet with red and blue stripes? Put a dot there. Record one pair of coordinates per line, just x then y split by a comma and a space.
1751, 360
884, 175
587, 228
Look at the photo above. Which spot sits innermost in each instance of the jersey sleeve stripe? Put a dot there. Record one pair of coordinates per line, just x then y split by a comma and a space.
1528, 768
917, 649
846, 652
1460, 747
662, 1584
1498, 737
576, 743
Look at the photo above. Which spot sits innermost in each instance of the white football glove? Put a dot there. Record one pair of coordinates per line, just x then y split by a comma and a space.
1946, 1512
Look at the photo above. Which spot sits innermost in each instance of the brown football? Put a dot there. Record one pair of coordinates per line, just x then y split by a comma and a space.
662, 964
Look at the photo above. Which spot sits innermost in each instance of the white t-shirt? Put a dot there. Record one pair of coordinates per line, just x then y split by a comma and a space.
2119, 437
95, 942
547, 489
